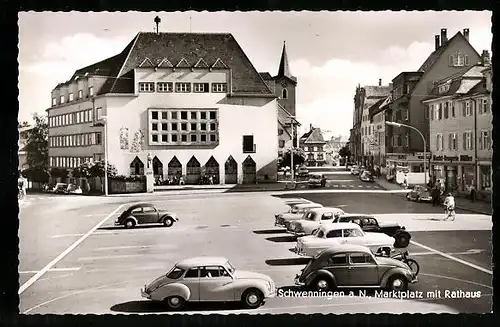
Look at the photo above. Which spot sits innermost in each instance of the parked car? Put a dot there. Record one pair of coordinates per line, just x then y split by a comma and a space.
354, 170
352, 265
209, 279
371, 224
312, 220
302, 171
419, 193
60, 188
366, 176
316, 180
145, 213
293, 201
296, 212
331, 235
74, 189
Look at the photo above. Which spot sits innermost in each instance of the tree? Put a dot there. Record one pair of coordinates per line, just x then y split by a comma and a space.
299, 158
37, 148
59, 172
345, 152
23, 124
97, 169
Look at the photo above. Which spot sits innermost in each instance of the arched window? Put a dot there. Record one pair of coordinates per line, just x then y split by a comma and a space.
284, 94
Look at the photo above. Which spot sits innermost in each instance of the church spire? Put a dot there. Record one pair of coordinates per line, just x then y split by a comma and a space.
284, 69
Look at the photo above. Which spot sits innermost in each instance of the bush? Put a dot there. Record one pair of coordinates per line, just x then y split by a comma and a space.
128, 179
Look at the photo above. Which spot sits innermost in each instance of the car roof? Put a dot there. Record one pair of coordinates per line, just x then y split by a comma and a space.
346, 248
307, 205
329, 227
201, 261
325, 209
140, 205
357, 215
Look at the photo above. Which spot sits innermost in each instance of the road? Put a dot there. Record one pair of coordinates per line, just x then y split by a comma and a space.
105, 271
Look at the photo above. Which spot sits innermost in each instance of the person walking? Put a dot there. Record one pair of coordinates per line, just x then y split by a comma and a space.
472, 192
435, 192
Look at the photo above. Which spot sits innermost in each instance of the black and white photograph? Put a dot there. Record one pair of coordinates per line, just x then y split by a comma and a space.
272, 162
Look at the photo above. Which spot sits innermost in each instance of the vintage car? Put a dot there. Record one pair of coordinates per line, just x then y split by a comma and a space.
296, 212
145, 213
312, 220
350, 265
302, 171
60, 188
209, 279
293, 201
371, 224
355, 170
419, 193
366, 176
331, 235
316, 180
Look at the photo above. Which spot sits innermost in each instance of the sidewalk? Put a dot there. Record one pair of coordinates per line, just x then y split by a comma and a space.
461, 203
280, 186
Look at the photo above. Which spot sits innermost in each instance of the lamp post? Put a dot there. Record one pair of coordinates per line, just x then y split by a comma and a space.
105, 122
292, 151
390, 123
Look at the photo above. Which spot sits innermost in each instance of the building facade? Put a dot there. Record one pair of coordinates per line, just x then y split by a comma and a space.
450, 56
193, 102
377, 120
21, 143
461, 129
313, 145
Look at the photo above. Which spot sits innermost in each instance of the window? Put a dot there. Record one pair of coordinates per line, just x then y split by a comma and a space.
184, 115
203, 138
193, 126
70, 97
164, 127
352, 233
192, 273
213, 137
98, 139
164, 138
446, 110
334, 233
210, 272
358, 258
440, 111
459, 60
406, 139
193, 137
80, 94
154, 126
184, 138
213, 114
483, 106
154, 138
467, 140
213, 126
174, 137
184, 126
405, 114
90, 115
337, 259
164, 87
174, 114
201, 87
54, 101
468, 108
439, 142
146, 87
194, 115
484, 141
164, 115
219, 87
154, 115
284, 94
183, 87
436, 112
175, 273
451, 108
248, 145
62, 99
174, 126
203, 115
281, 143
91, 91
203, 126
98, 113
452, 141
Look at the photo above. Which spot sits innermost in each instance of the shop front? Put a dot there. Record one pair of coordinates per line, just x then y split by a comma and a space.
456, 171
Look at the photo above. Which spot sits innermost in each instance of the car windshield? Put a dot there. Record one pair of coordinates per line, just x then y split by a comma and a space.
175, 273
310, 215
229, 267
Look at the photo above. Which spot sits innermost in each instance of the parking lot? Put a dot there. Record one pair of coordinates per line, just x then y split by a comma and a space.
105, 272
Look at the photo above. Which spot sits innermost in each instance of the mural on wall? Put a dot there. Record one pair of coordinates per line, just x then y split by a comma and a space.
124, 138
138, 141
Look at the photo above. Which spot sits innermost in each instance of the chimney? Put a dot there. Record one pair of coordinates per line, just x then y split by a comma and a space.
310, 127
485, 58
436, 42
444, 38
466, 33
379, 82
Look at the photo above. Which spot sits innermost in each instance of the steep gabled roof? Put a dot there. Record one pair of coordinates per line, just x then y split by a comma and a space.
266, 76
284, 117
220, 49
376, 107
313, 136
377, 91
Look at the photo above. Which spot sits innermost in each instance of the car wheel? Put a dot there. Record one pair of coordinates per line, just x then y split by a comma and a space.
322, 284
168, 222
130, 223
397, 283
408, 197
402, 240
175, 302
252, 298
418, 199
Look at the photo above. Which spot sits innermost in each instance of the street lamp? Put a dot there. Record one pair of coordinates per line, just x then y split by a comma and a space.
103, 122
292, 152
390, 123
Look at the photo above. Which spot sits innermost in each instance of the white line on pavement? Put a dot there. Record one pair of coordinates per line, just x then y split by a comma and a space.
156, 246
473, 251
74, 235
453, 258
339, 180
340, 191
118, 256
52, 270
65, 252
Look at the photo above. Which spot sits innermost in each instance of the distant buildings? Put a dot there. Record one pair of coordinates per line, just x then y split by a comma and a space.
193, 101
22, 142
313, 145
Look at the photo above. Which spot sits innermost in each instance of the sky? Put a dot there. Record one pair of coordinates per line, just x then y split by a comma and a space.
330, 53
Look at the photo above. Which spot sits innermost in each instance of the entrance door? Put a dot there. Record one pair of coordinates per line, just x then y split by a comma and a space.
193, 173
157, 168
212, 169
174, 168
231, 171
249, 171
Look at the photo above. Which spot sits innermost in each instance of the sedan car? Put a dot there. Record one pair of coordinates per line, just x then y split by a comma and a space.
354, 266
312, 220
419, 193
316, 180
145, 213
296, 212
293, 201
331, 235
366, 176
209, 279
354, 170
302, 171
371, 224
60, 188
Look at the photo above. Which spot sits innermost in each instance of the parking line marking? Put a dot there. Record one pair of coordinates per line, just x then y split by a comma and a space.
51, 264
453, 258
118, 256
156, 246
53, 269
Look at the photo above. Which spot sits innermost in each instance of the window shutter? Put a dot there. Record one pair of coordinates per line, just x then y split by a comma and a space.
446, 110
481, 141
465, 141
464, 113
449, 141
479, 106
466, 59
450, 60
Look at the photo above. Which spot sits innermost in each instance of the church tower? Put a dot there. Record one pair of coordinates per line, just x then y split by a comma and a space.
285, 84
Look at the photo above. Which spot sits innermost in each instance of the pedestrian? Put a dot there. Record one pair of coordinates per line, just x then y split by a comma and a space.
435, 195
472, 191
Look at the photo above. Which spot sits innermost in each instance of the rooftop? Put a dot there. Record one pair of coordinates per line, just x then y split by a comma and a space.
201, 261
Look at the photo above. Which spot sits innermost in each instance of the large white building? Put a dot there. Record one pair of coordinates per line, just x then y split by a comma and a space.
194, 102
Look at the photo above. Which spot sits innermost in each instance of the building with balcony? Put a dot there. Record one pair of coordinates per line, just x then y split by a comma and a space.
405, 146
192, 101
460, 125
313, 145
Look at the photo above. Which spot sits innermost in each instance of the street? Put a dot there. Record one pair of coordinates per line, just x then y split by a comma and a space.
104, 271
